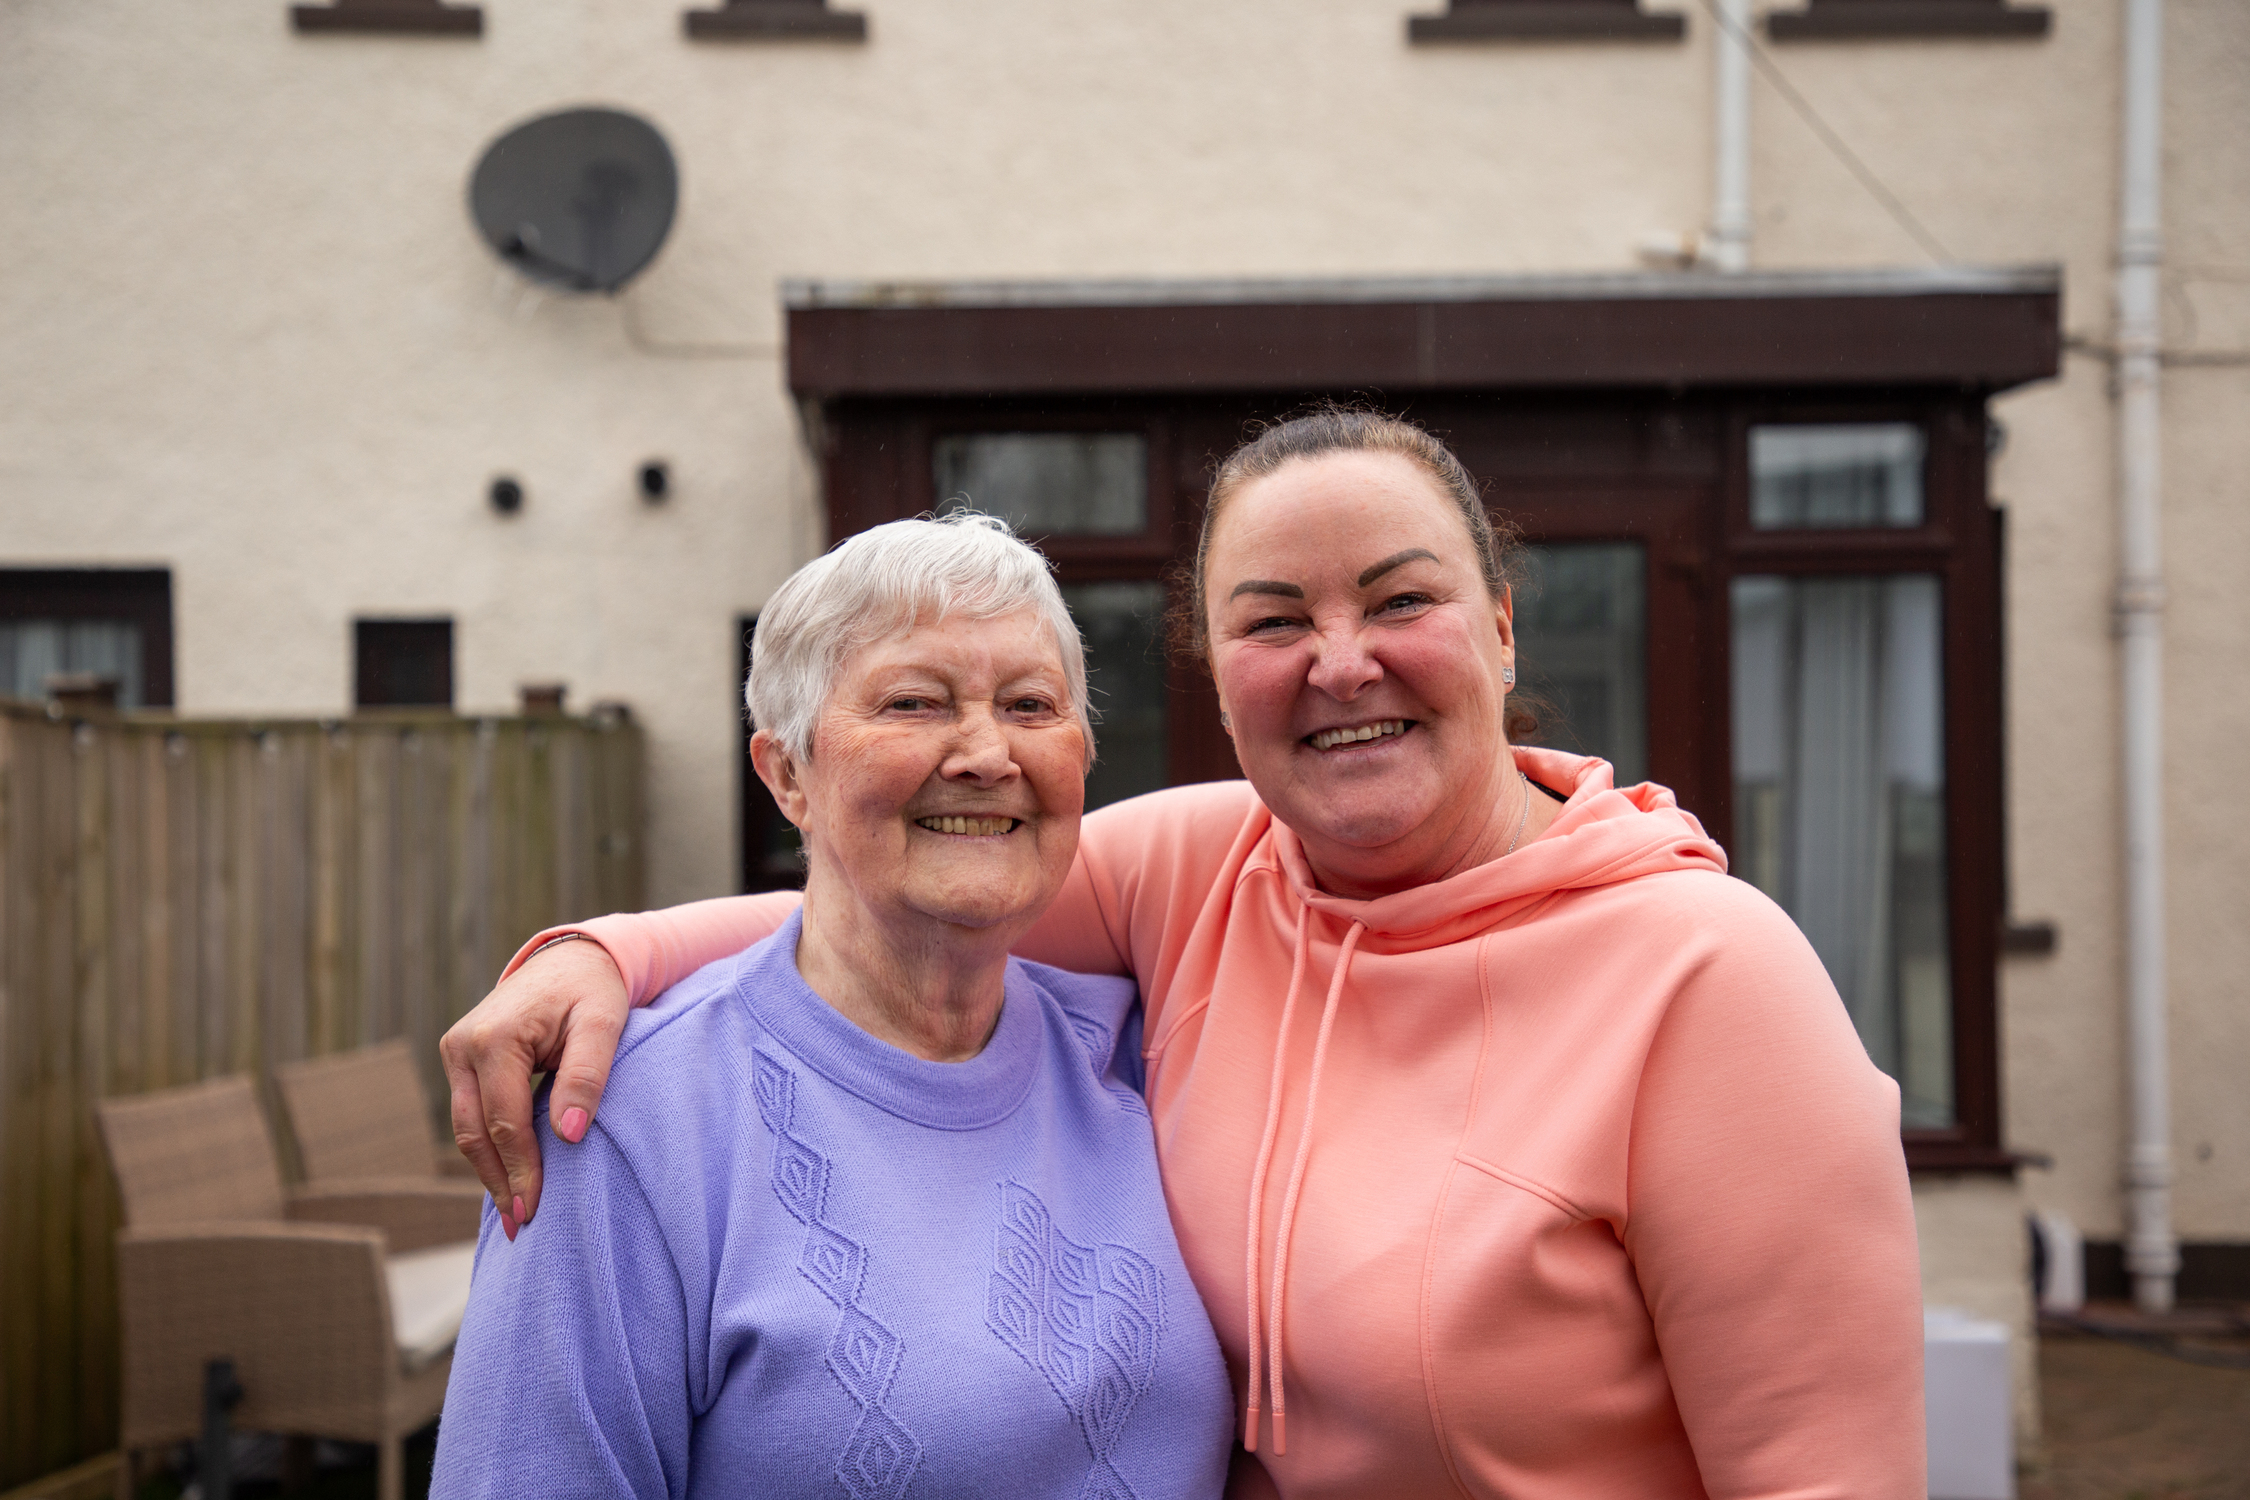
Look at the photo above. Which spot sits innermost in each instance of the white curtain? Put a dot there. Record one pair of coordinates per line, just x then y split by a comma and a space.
1839, 784
31, 651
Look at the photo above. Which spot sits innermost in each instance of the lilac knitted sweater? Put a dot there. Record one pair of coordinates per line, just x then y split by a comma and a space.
792, 1260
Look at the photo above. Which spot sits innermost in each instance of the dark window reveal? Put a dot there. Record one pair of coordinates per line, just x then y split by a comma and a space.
402, 663
104, 622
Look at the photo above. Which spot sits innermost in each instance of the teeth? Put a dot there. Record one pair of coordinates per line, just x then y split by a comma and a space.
1329, 738
980, 827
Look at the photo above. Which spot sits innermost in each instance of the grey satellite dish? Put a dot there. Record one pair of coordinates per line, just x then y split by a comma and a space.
580, 199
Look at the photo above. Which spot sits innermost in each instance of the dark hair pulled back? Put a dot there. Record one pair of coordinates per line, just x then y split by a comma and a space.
1333, 427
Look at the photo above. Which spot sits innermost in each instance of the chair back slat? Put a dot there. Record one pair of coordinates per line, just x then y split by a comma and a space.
199, 1152
359, 1114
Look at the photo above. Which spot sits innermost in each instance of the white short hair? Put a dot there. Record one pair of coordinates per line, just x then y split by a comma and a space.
885, 580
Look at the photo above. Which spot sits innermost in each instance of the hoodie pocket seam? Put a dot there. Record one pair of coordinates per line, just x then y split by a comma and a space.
1524, 1184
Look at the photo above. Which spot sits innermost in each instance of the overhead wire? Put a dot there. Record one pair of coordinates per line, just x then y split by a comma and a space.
1876, 188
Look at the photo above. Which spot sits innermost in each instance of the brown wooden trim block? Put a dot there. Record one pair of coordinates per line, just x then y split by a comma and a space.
1545, 20
388, 18
774, 20
1862, 20
1966, 340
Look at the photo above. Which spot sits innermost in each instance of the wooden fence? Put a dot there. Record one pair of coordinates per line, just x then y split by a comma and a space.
180, 899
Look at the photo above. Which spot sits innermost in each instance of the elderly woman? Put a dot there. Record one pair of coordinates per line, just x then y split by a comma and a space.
1515, 1149
871, 1204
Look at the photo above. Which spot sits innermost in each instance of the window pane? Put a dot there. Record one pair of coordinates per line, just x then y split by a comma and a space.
1852, 474
1839, 802
1047, 483
1582, 646
402, 663
1124, 628
31, 651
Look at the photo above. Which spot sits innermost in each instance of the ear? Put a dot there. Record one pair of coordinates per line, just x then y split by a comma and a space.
777, 767
1504, 616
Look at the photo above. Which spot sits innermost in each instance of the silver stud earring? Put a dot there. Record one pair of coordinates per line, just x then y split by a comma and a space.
1507, 676
1224, 722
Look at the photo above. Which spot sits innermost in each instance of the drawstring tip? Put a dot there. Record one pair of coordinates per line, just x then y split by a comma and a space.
1280, 1432
1250, 1430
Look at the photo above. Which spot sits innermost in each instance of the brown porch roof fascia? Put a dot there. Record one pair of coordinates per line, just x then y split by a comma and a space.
1965, 328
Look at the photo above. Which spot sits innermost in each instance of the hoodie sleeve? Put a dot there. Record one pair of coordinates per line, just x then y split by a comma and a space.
1772, 1229
655, 950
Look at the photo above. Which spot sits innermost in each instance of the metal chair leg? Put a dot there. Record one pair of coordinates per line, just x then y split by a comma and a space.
221, 1393
390, 1468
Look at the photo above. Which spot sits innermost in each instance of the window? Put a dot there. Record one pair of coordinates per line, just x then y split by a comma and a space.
402, 663
1862, 20
1839, 801
1582, 642
1047, 483
1837, 476
109, 623
1545, 20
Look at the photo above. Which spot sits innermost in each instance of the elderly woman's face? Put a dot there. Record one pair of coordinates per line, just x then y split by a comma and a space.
948, 773
1359, 657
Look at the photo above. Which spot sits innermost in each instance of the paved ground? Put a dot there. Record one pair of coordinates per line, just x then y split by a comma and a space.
2124, 1423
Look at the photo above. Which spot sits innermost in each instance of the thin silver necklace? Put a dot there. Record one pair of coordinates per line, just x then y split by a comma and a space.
1523, 812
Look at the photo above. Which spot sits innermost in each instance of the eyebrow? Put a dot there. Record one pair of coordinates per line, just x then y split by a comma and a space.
1268, 586
1396, 559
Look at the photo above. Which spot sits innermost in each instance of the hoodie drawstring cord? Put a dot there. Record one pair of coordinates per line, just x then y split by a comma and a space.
1251, 1246
1296, 1180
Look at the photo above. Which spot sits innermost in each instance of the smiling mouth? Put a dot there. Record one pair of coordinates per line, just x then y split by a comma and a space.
970, 827
1329, 739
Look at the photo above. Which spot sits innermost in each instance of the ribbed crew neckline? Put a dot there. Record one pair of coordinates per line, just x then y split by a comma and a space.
970, 1095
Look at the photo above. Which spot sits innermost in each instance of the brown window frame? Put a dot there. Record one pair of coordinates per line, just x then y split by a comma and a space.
375, 638
142, 596
1959, 541
1545, 20
774, 21
1877, 20
388, 18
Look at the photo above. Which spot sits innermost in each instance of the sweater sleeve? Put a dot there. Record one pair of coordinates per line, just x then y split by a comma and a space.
570, 1377
1772, 1229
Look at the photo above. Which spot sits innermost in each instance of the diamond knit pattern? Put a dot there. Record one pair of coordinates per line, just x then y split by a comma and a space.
879, 1460
1087, 1318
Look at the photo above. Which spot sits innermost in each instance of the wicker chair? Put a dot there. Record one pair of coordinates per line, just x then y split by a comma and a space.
363, 1114
330, 1332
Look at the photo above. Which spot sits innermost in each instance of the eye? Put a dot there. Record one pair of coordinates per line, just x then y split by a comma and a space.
1271, 622
1400, 603
908, 705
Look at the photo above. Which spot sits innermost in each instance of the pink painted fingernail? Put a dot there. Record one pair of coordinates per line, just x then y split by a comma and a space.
521, 1216
508, 1228
573, 1124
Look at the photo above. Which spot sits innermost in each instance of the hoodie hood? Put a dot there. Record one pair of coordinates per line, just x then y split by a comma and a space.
1603, 835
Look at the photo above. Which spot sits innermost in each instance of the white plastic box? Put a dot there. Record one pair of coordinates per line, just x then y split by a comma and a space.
1971, 1414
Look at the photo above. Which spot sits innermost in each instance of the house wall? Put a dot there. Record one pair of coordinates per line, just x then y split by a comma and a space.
252, 336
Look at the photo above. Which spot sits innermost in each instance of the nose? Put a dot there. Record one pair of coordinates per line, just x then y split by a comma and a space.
1342, 666
980, 752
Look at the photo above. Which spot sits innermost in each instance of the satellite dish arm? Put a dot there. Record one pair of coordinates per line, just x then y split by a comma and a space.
518, 247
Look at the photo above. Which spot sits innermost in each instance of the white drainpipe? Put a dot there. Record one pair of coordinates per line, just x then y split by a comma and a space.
1726, 245
2152, 1255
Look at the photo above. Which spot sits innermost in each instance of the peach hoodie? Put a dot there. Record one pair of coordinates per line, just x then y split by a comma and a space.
1570, 1177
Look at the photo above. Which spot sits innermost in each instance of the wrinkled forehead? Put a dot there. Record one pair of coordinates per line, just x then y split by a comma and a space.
1006, 647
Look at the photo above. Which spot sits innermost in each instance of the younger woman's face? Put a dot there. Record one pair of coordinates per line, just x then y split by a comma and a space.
1359, 658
